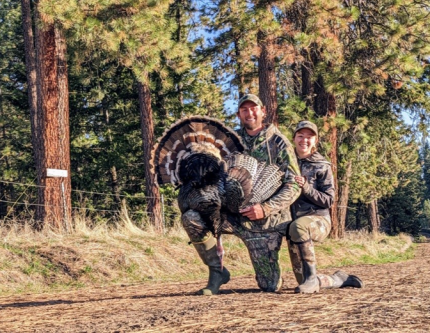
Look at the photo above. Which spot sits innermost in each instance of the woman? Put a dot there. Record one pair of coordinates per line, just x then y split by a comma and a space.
311, 214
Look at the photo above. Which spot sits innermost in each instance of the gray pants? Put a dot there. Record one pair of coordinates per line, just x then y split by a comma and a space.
263, 247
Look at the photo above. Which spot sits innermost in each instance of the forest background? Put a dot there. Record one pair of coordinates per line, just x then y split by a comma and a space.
86, 86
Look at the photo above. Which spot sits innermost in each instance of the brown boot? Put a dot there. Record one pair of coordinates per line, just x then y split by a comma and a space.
218, 276
310, 283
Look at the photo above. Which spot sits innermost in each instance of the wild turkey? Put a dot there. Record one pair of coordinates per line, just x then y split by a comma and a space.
205, 159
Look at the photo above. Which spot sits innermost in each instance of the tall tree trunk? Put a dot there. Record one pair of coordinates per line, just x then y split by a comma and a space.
343, 199
240, 77
267, 76
112, 167
147, 127
372, 215
307, 69
3, 197
358, 217
31, 70
54, 197
325, 106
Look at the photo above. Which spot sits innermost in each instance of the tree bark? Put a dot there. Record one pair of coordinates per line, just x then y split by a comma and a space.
307, 69
240, 77
267, 76
325, 106
54, 195
343, 199
357, 217
333, 159
372, 215
3, 196
152, 191
31, 71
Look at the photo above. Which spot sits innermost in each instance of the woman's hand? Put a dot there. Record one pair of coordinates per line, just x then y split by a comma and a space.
300, 180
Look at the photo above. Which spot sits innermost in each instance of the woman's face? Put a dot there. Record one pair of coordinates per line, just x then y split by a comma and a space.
305, 140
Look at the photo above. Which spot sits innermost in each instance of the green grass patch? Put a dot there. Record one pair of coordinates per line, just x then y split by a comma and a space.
149, 250
326, 249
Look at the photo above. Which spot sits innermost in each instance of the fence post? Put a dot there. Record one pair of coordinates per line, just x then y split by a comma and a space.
65, 210
162, 214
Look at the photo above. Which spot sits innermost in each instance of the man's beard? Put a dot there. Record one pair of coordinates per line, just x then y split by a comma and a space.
252, 127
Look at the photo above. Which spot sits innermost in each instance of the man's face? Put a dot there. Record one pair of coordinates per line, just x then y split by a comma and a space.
251, 115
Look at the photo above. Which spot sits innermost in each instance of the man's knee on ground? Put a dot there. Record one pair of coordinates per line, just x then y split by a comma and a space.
267, 271
269, 283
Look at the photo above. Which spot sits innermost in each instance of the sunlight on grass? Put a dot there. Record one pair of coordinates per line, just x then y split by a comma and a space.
121, 253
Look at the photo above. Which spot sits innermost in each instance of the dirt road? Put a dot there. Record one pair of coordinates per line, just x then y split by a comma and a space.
396, 299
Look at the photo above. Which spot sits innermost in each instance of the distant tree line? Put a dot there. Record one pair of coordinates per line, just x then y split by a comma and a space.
87, 87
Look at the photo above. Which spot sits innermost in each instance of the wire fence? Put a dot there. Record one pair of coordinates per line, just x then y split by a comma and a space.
19, 201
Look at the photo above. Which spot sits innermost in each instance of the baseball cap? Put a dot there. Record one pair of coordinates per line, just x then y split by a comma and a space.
306, 124
250, 97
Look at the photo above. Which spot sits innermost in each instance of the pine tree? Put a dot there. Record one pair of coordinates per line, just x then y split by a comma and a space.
16, 163
231, 44
147, 38
425, 156
403, 211
54, 193
346, 54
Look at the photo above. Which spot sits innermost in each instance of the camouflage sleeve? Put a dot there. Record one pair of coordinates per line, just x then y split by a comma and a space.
323, 196
290, 191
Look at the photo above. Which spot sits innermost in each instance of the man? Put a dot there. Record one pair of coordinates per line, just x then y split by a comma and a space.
262, 226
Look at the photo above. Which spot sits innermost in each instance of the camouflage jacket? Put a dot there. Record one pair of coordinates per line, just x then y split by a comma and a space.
318, 192
271, 146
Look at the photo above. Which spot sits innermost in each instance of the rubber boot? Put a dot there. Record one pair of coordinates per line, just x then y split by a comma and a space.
218, 276
296, 261
340, 279
310, 283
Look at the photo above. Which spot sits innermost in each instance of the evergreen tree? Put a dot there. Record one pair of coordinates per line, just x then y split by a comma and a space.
16, 161
403, 211
425, 157
349, 56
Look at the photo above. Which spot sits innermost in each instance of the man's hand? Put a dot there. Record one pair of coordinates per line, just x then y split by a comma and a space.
254, 212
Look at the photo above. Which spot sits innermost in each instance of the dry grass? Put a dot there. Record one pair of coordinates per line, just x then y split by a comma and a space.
121, 253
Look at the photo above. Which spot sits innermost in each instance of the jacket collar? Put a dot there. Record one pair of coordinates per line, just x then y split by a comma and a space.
314, 158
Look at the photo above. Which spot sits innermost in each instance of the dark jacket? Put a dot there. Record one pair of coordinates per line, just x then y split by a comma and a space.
271, 146
318, 192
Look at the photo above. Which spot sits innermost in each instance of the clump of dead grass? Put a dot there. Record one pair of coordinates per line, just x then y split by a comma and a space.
120, 252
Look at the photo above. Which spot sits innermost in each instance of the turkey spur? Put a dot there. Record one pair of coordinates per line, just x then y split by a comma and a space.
205, 159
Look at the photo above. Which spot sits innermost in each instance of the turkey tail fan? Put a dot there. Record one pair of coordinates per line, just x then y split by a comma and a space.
238, 188
266, 183
243, 161
195, 134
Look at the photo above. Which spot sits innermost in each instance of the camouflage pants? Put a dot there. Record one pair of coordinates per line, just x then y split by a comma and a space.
304, 231
263, 247
312, 227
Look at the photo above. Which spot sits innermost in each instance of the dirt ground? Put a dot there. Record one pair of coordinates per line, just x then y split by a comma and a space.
396, 299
